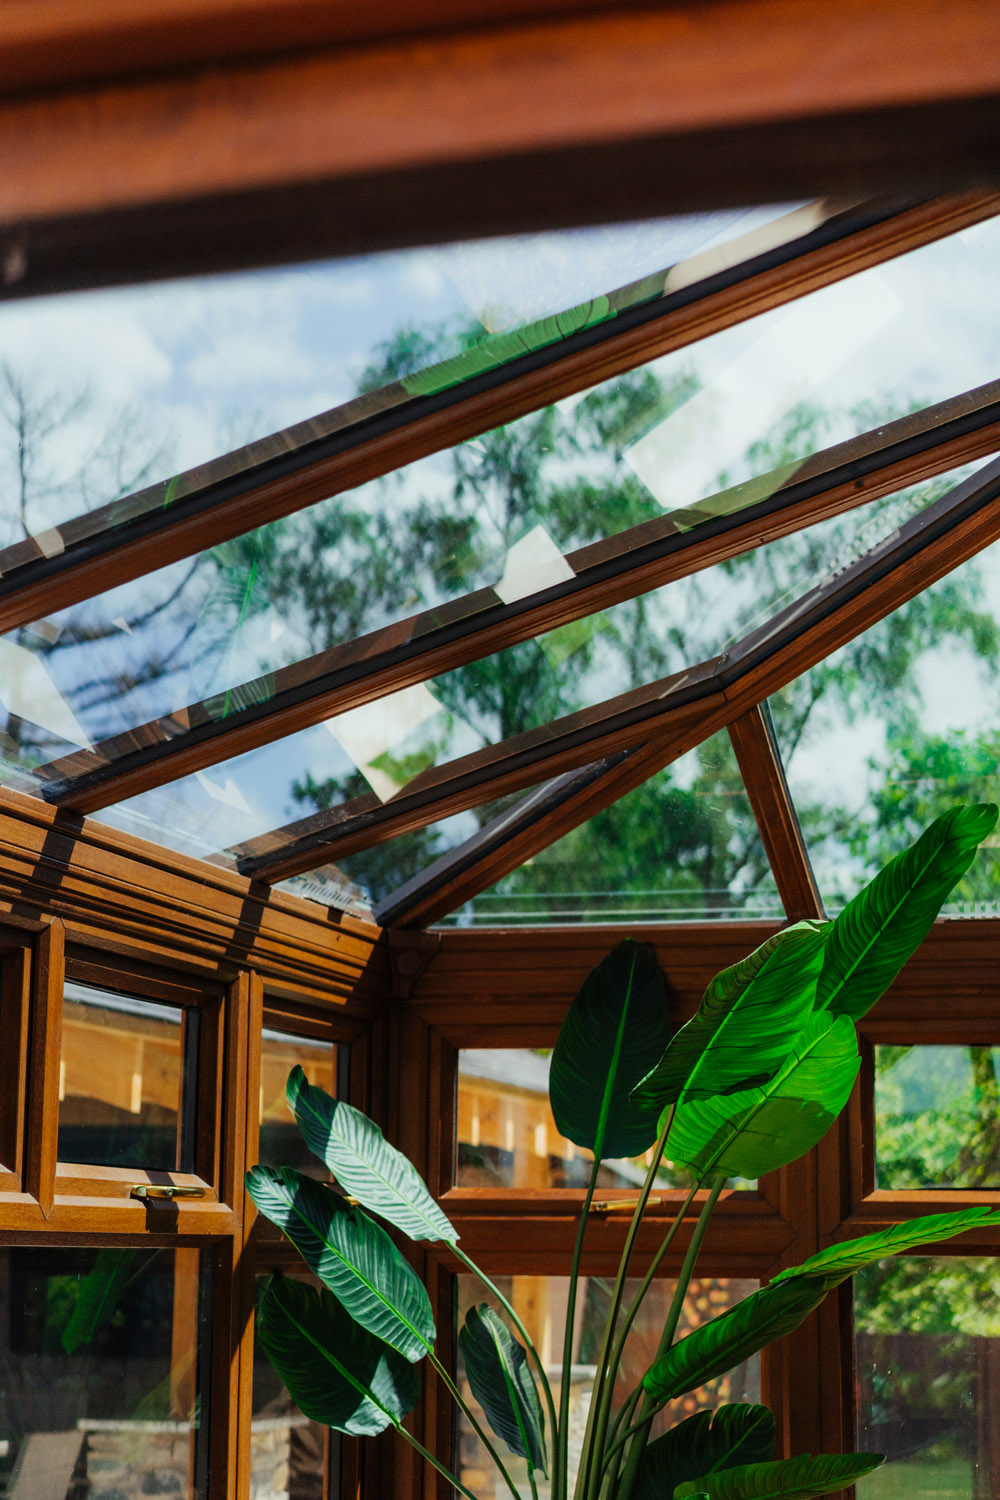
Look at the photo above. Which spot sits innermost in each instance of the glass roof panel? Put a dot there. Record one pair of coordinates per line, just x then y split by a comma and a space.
125, 392
894, 729
684, 846
202, 638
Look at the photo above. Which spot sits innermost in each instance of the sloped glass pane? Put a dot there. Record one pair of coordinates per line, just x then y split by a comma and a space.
684, 846
895, 728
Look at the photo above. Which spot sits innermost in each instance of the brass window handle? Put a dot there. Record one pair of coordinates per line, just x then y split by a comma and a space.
162, 1190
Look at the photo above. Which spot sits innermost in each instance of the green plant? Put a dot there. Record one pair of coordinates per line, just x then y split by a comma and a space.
750, 1083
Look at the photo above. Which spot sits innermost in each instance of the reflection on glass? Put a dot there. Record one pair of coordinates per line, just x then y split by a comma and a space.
928, 1359
281, 1143
936, 1117
508, 1138
121, 1080
102, 1393
289, 1454
683, 846
897, 727
540, 1302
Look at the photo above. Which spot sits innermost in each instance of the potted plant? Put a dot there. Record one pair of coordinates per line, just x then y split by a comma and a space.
749, 1084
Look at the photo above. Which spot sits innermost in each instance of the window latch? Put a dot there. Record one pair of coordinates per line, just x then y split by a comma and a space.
165, 1190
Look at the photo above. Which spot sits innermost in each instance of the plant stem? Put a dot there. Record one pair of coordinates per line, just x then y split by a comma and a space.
529, 1345
648, 1408
560, 1461
648, 1278
461, 1402
435, 1463
600, 1406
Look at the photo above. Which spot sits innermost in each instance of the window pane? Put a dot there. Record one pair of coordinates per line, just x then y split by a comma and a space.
541, 1304
929, 1377
936, 1111
507, 1136
100, 1393
121, 1080
288, 1452
281, 1143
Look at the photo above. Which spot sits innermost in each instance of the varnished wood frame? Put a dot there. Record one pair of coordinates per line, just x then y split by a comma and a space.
832, 482
539, 120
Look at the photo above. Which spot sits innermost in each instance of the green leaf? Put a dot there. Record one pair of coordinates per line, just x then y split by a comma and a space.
761, 1129
616, 1028
335, 1371
776, 1309
363, 1162
741, 1032
731, 1436
351, 1254
790, 1478
836, 1263
877, 932
497, 1370
98, 1297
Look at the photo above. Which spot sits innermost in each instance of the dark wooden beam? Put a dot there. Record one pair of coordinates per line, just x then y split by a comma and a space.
539, 121
377, 433
438, 640
685, 708
764, 778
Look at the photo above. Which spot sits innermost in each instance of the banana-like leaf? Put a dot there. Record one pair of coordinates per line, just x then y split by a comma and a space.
741, 1033
877, 932
335, 1371
724, 1439
351, 1254
761, 1129
98, 1297
616, 1029
836, 1263
786, 1479
788, 1300
497, 1369
363, 1162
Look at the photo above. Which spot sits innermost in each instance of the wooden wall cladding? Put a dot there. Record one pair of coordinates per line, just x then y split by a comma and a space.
117, 891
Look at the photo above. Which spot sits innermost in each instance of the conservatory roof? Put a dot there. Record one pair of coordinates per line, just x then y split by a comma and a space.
433, 581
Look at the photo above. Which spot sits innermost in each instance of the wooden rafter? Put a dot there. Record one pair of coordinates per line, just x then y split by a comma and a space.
440, 639
172, 167
373, 435
764, 778
685, 709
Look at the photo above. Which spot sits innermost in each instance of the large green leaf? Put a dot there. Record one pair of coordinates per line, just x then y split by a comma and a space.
363, 1162
335, 1371
877, 931
788, 1478
497, 1369
761, 1129
616, 1029
741, 1033
778, 1308
98, 1297
708, 1441
351, 1254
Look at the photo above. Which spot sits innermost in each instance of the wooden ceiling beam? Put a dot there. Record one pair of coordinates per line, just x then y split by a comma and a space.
375, 434
502, 124
891, 457
763, 775
685, 709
